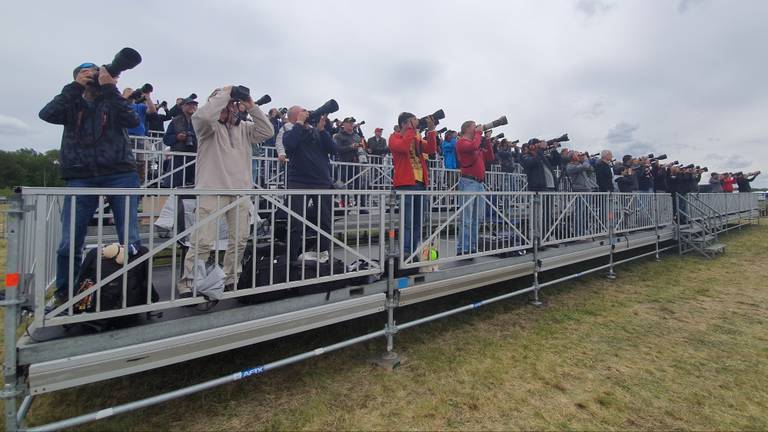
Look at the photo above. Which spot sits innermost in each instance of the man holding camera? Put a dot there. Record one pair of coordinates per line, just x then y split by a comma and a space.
181, 137
309, 147
473, 150
743, 181
95, 152
603, 172
538, 165
377, 145
409, 154
224, 163
141, 101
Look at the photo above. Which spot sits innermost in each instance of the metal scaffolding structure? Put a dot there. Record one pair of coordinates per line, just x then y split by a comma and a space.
393, 248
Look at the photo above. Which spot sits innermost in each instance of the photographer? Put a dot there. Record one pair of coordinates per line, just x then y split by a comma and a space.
660, 175
714, 183
577, 170
678, 182
644, 175
348, 146
141, 102
181, 137
727, 180
308, 149
743, 181
539, 166
156, 121
448, 147
472, 152
377, 145
95, 152
628, 177
224, 163
409, 152
604, 172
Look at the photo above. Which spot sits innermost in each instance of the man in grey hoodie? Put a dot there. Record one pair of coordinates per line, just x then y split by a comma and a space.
223, 162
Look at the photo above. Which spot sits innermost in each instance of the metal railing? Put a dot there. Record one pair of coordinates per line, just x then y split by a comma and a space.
298, 236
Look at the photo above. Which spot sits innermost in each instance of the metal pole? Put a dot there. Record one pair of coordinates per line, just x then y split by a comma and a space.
677, 225
14, 220
537, 224
656, 222
390, 359
610, 275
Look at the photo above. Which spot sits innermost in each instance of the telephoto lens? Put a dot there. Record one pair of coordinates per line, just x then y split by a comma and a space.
126, 58
329, 107
499, 136
264, 100
501, 121
436, 117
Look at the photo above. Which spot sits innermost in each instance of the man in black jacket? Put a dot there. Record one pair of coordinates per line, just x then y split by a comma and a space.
743, 181
95, 152
377, 145
604, 172
309, 167
538, 166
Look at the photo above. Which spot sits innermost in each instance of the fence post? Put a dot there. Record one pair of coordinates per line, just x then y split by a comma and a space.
390, 359
537, 224
656, 222
677, 224
11, 303
611, 222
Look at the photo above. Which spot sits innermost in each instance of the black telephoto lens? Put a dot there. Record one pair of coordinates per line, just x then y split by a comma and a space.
263, 100
126, 58
327, 108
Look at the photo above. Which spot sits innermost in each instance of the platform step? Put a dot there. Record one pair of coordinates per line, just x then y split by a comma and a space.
716, 248
706, 239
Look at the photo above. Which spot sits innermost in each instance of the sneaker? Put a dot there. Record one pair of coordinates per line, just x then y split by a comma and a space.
55, 301
363, 211
309, 256
324, 257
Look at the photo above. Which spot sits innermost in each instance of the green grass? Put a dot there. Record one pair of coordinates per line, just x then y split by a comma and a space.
681, 344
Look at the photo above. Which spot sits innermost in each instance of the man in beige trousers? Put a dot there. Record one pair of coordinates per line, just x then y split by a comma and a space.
224, 163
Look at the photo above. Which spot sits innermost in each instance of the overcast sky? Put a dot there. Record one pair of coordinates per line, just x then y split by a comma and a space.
682, 77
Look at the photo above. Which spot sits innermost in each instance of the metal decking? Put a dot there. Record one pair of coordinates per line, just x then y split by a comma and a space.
69, 359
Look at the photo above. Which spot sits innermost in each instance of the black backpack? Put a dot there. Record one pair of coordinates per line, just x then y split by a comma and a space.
112, 292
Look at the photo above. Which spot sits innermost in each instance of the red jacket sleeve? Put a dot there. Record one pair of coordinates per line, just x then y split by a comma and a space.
489, 156
430, 146
401, 143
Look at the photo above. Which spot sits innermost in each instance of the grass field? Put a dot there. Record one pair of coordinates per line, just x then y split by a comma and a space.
681, 344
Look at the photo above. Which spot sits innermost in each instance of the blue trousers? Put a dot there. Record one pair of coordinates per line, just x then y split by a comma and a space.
85, 207
470, 216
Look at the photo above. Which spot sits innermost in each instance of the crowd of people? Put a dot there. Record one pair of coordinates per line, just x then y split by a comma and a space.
229, 129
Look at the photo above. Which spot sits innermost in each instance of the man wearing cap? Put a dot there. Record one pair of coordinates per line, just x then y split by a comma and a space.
409, 153
377, 145
181, 138
223, 163
95, 152
472, 151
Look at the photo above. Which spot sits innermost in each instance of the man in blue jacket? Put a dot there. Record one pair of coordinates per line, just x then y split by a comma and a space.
95, 152
308, 148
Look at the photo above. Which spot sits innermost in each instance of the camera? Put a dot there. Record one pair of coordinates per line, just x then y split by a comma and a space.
361, 123
163, 104
263, 100
327, 108
126, 58
137, 96
555, 142
192, 96
436, 116
501, 121
240, 93
283, 110
499, 136
443, 130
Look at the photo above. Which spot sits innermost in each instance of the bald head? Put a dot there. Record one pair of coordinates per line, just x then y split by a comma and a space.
293, 113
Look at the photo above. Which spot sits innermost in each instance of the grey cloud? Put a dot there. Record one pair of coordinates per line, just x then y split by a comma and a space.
685, 5
591, 110
11, 126
735, 162
593, 7
622, 140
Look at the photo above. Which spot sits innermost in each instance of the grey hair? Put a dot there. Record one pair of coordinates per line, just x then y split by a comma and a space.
605, 153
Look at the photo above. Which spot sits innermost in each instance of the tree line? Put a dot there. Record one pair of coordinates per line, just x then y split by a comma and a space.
28, 167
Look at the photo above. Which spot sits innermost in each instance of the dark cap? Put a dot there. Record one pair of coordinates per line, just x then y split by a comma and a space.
349, 120
189, 101
533, 141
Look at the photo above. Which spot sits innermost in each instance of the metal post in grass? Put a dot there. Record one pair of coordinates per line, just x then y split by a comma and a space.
536, 216
677, 225
656, 222
11, 303
390, 359
610, 275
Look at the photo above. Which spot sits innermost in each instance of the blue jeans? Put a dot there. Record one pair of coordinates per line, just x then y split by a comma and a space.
470, 216
412, 215
85, 207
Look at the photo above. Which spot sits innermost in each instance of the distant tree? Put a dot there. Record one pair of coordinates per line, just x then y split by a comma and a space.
27, 167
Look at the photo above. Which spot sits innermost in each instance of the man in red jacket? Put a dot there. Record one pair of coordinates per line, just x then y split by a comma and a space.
409, 152
472, 151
